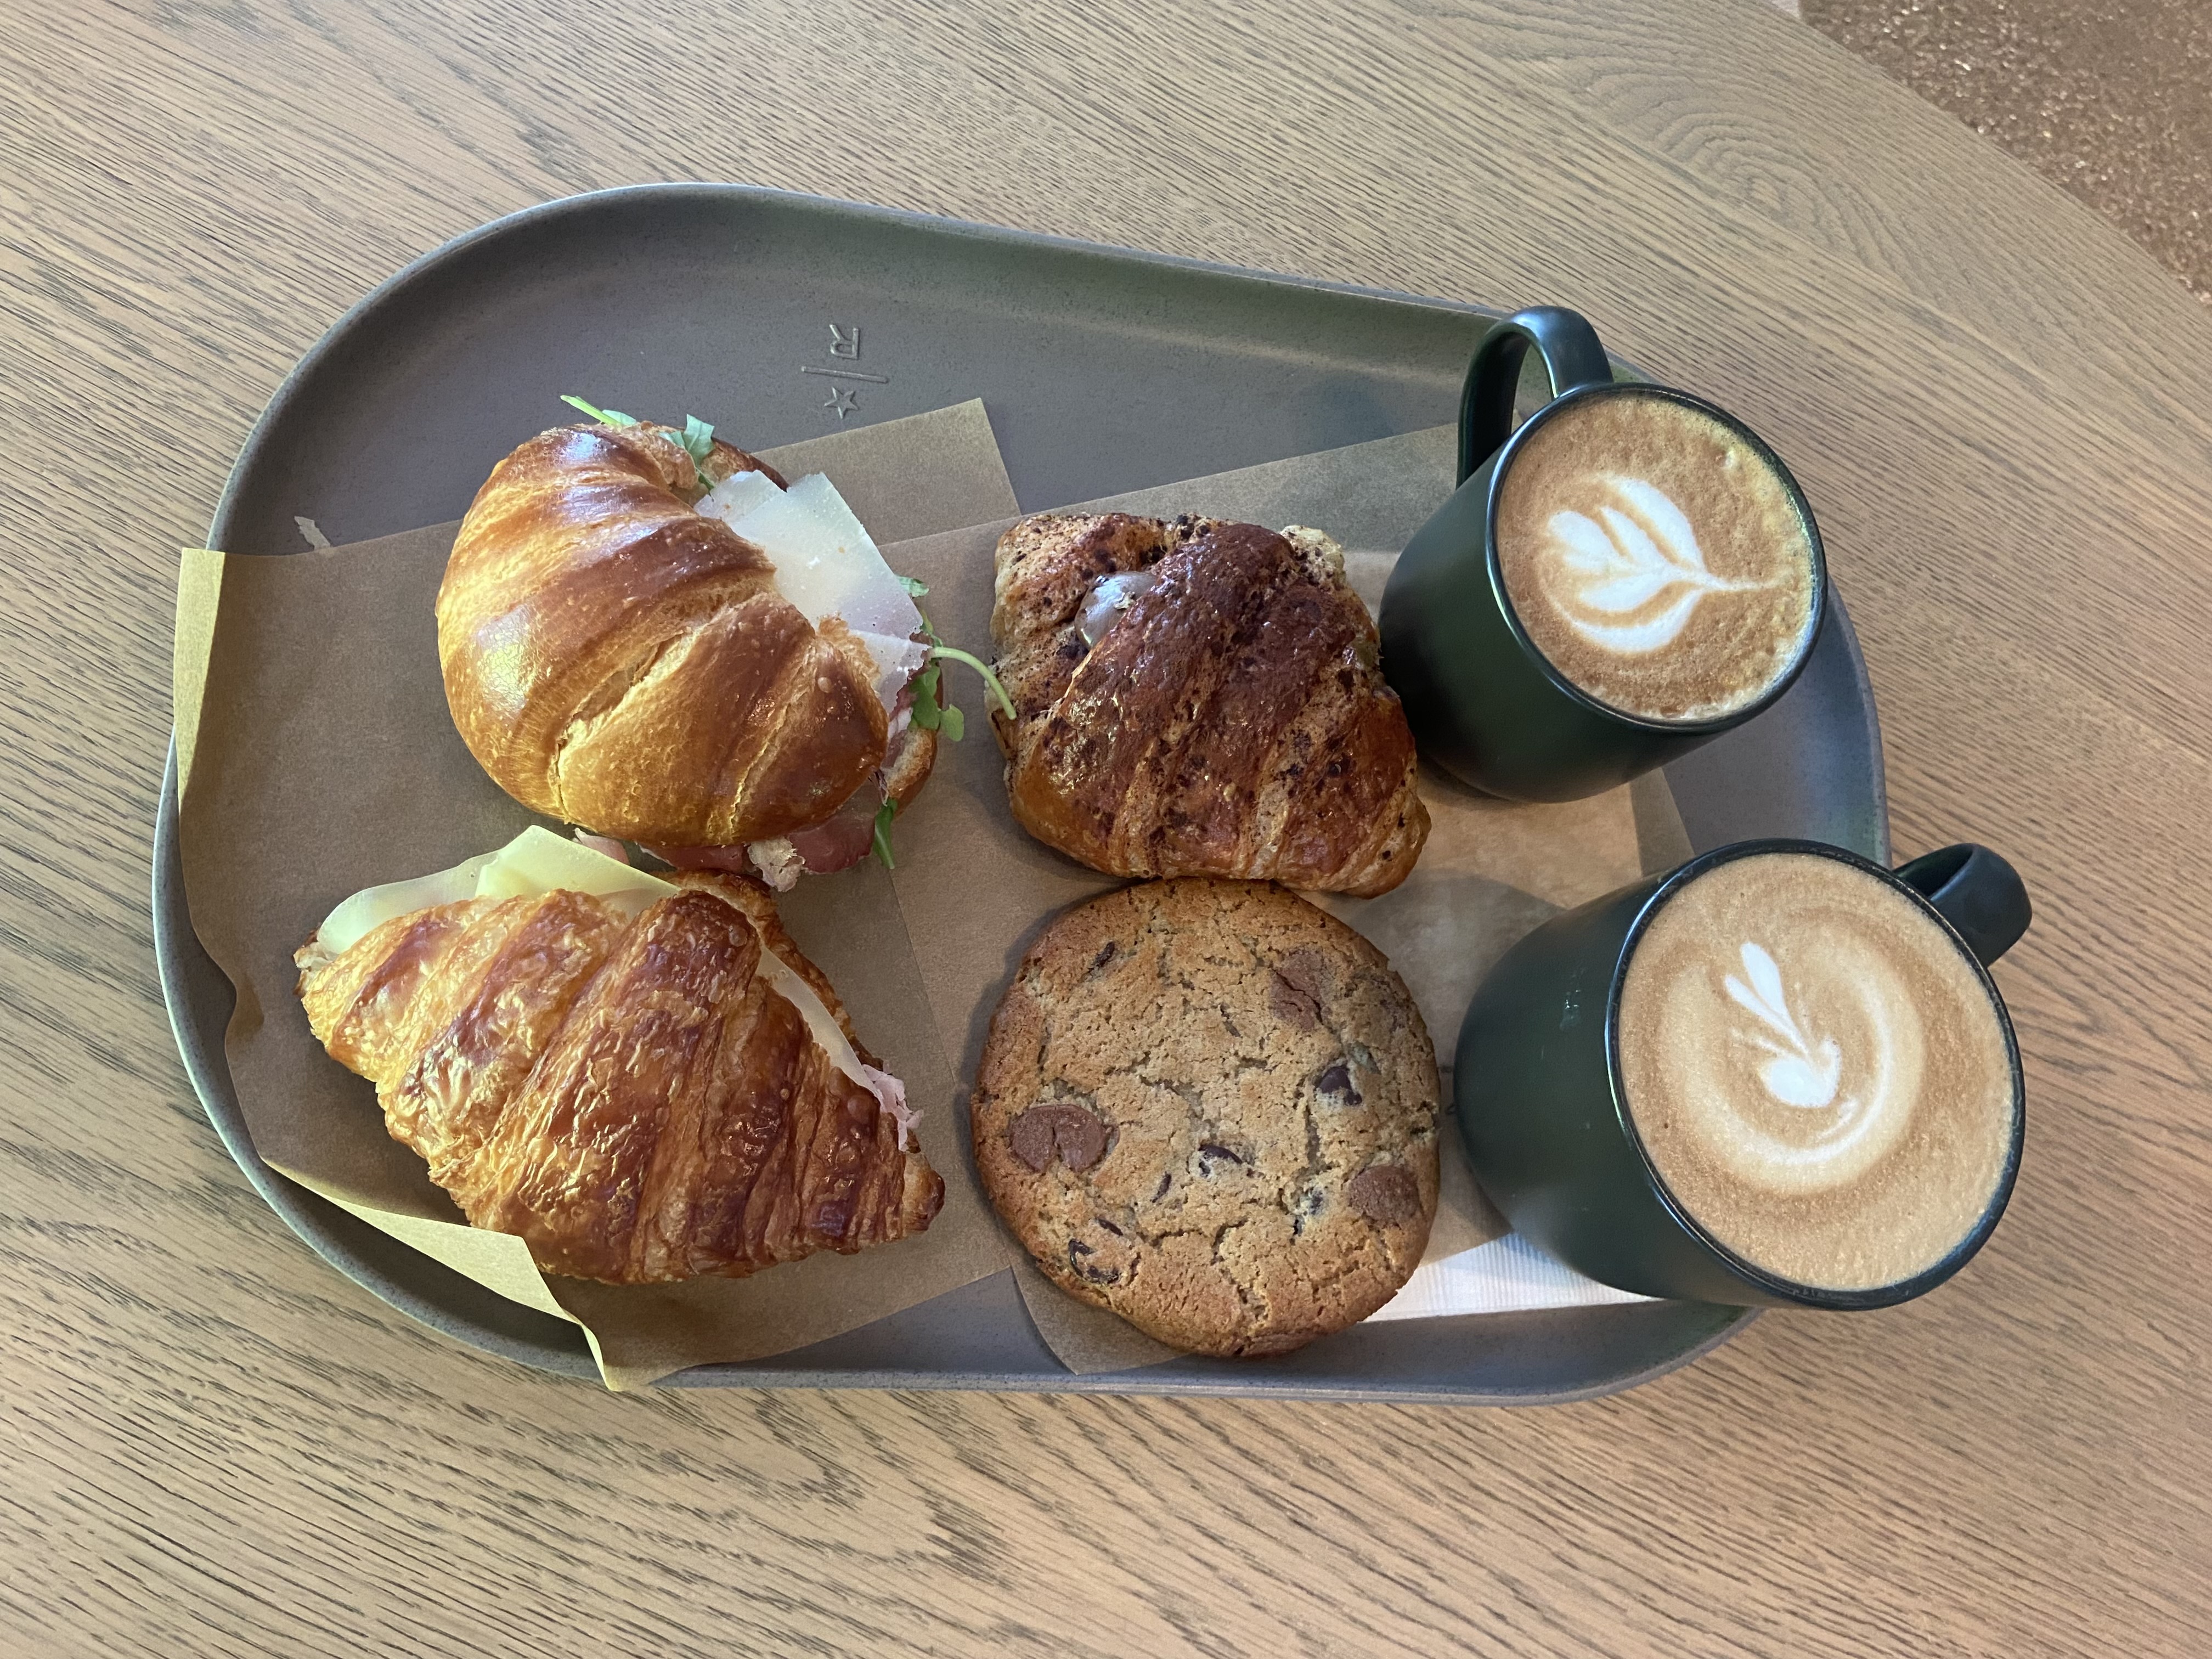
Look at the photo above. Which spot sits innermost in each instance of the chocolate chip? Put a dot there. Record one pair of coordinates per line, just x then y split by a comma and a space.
1384, 1192
1094, 1272
1074, 1134
1213, 1156
1166, 1181
1105, 955
1337, 1080
1111, 1228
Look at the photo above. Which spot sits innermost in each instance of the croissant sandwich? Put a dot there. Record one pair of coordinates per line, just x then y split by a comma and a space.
644, 1080
1195, 697
645, 632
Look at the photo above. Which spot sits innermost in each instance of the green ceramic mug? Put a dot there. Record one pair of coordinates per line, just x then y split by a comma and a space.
1485, 699
1777, 1076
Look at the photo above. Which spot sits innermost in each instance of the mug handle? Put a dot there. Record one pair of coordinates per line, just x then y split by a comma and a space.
1572, 358
1977, 892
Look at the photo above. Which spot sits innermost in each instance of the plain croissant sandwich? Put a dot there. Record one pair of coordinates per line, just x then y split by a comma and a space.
643, 1080
645, 632
1195, 698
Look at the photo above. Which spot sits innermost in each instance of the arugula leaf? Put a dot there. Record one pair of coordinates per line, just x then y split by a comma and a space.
939, 650
884, 814
928, 713
931, 712
698, 439
604, 417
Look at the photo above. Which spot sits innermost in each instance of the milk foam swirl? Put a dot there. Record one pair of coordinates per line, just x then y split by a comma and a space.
1823, 1112
1804, 1091
1631, 577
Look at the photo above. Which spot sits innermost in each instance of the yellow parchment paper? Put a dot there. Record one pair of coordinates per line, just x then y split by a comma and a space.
317, 757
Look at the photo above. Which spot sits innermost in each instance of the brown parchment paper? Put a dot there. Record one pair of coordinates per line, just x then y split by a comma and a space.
317, 757
978, 890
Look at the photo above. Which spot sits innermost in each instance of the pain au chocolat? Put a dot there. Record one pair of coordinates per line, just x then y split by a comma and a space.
1193, 697
644, 1080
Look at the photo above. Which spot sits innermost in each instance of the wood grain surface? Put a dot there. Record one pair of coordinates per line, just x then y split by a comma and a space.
210, 1443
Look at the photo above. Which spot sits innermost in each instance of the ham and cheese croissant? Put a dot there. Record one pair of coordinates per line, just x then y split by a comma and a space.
1193, 697
622, 651
644, 1083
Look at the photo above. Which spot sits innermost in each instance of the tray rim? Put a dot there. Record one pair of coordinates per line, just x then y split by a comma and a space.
311, 1217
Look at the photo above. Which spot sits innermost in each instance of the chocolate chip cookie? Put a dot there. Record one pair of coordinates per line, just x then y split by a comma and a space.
1211, 1107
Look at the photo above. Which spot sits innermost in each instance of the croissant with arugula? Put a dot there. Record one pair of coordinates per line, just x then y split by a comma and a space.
646, 632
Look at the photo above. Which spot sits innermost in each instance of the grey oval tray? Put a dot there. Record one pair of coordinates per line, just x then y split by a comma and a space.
1103, 371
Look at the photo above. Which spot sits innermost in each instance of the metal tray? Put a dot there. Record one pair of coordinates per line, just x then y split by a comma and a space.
1103, 371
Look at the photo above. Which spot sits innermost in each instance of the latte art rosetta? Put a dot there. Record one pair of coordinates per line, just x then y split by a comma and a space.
1838, 1110
1799, 1075
1640, 554
1816, 1069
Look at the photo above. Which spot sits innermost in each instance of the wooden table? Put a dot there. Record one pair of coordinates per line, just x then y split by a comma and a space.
211, 1443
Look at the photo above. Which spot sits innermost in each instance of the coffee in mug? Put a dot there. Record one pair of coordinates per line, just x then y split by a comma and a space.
1627, 574
1817, 1070
1654, 557
1779, 1075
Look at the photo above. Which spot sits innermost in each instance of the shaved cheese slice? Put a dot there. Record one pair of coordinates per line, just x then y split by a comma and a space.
737, 495
535, 861
786, 981
875, 600
538, 861
825, 562
896, 662
357, 917
826, 565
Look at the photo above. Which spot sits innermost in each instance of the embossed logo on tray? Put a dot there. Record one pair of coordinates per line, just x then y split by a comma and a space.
844, 346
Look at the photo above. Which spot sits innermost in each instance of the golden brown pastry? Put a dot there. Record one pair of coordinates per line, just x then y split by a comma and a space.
618, 660
1198, 698
631, 1094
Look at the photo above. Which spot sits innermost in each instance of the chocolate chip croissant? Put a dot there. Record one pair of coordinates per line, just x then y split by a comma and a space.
1198, 698
642, 1088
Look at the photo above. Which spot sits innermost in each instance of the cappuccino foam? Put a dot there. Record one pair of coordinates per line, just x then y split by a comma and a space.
1657, 559
1816, 1070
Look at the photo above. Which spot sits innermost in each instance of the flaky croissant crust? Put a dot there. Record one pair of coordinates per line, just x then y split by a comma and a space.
616, 659
632, 1098
1234, 722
